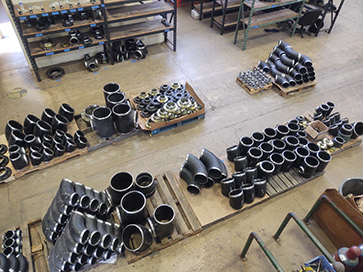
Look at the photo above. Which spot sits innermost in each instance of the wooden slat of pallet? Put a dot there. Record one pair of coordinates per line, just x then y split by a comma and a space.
270, 190
26, 245
275, 185
280, 183
298, 88
291, 178
285, 180
72, 128
39, 246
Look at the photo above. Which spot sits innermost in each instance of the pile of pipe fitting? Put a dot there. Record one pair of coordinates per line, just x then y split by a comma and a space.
117, 115
76, 223
257, 79
40, 140
166, 103
79, 221
132, 48
288, 67
339, 128
129, 197
202, 172
12, 258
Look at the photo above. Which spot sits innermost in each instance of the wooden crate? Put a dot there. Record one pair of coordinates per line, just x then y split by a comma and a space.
185, 222
72, 128
158, 127
296, 89
252, 91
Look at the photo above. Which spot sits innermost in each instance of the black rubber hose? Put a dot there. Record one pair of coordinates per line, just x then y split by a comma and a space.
68, 193
295, 74
263, 66
300, 68
282, 45
4, 263
278, 51
13, 263
306, 61
291, 80
282, 67
282, 81
198, 169
192, 186
286, 60
292, 54
212, 162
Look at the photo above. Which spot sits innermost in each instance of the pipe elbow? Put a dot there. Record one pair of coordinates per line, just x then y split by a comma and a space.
68, 193
95, 235
286, 60
295, 74
282, 81
281, 67
264, 66
84, 199
306, 61
192, 186
275, 72
77, 227
4, 263
291, 53
198, 169
13, 263
212, 162
300, 68
282, 45
277, 51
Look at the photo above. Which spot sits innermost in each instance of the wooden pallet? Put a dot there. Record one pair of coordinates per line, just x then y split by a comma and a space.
185, 222
296, 89
72, 128
252, 91
283, 182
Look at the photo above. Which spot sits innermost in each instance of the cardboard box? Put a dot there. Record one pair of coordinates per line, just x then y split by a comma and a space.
317, 130
142, 121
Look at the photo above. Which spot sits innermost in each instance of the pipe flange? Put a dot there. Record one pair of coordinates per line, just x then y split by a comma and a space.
184, 103
3, 149
178, 96
151, 108
175, 85
162, 99
65, 44
193, 106
164, 88
162, 113
4, 160
143, 95
199, 107
145, 113
137, 100
184, 112
145, 101
171, 116
170, 107
5, 173
153, 92
155, 118
140, 107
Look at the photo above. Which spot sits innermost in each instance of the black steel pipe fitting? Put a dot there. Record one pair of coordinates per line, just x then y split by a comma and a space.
4, 263
283, 82
197, 168
300, 68
106, 239
306, 61
143, 244
102, 122
212, 163
161, 223
286, 60
145, 184
124, 117
263, 66
91, 225
292, 54
132, 208
77, 228
232, 152
12, 125
296, 75
193, 187
281, 67
120, 184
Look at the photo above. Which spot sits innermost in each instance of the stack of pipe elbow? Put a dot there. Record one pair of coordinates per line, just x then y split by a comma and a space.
69, 197
85, 240
288, 67
202, 172
12, 258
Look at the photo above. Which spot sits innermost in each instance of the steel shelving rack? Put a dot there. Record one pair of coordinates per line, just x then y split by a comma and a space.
164, 13
267, 18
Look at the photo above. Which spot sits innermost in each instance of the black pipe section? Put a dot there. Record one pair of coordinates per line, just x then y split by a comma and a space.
292, 54
84, 199
306, 61
295, 74
198, 169
282, 67
161, 223
282, 45
95, 235
300, 68
273, 58
132, 208
278, 51
193, 187
4, 263
282, 81
68, 193
263, 66
106, 238
212, 162
77, 228
13, 263
94, 203
286, 60
115, 242
291, 80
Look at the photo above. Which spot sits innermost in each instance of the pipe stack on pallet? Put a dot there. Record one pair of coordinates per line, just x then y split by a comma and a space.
288, 67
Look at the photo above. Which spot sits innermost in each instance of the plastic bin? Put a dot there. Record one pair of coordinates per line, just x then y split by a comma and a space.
324, 263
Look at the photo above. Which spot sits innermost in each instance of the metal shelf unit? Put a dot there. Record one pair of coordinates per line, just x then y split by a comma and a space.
205, 8
228, 17
30, 36
265, 19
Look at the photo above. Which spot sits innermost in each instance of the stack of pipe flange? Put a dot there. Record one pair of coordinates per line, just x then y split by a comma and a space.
263, 154
255, 80
125, 51
84, 241
70, 197
165, 103
116, 116
12, 258
339, 128
288, 67
202, 172
40, 140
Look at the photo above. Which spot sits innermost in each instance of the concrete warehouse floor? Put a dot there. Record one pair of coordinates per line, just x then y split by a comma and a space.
210, 62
